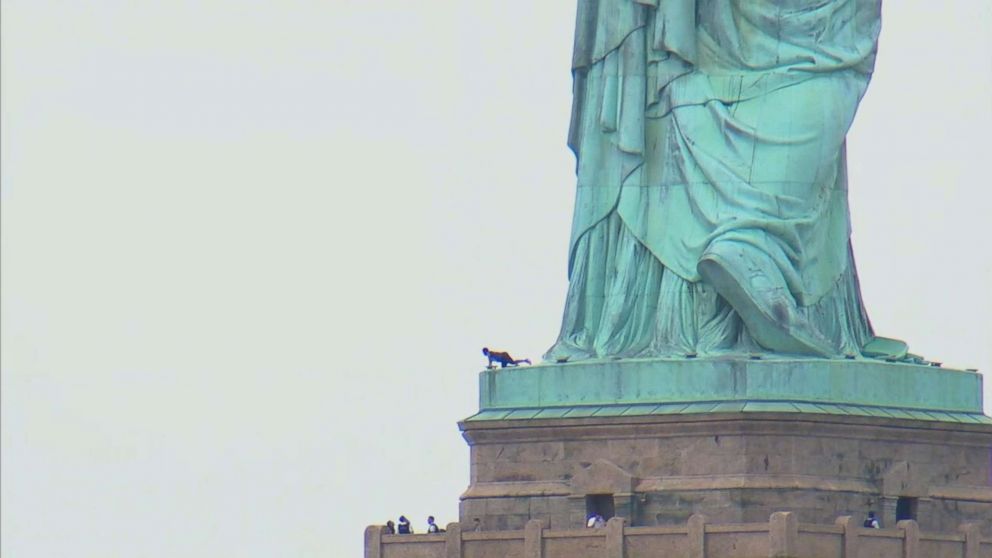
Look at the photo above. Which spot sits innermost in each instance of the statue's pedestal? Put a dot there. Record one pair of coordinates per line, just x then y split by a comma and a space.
655, 441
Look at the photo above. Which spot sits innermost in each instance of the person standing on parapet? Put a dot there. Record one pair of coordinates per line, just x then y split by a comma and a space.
711, 203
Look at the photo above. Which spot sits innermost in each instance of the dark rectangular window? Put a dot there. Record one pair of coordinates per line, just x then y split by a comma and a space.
905, 508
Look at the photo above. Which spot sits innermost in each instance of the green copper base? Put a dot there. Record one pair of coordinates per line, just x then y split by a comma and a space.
716, 385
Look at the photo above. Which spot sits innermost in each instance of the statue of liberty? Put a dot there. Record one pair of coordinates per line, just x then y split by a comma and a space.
711, 208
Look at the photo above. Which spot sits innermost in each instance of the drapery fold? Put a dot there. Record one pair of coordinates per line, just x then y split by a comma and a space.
624, 303
702, 124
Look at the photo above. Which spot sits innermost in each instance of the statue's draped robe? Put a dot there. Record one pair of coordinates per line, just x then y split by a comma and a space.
703, 121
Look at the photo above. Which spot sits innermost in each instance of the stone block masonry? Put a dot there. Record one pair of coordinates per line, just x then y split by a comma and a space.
731, 467
782, 536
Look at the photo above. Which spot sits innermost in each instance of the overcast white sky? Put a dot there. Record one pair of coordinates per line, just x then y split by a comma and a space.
251, 251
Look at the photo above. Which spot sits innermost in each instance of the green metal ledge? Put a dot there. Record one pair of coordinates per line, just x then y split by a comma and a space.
727, 407
731, 385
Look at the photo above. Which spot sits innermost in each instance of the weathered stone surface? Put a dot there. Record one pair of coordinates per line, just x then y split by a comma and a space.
731, 467
783, 535
779, 535
696, 534
850, 535
373, 541
533, 543
602, 477
614, 538
972, 539
584, 546
507, 506
911, 538
453, 541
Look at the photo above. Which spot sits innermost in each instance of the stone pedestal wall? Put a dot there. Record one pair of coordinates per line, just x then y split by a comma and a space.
732, 467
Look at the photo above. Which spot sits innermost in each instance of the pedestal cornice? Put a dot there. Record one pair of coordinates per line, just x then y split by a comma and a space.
656, 387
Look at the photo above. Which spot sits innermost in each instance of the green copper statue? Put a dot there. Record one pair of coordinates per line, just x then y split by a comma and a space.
711, 208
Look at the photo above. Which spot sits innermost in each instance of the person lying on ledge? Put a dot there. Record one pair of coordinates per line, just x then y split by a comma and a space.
502, 357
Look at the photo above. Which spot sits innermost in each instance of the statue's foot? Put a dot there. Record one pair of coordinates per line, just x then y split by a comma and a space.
765, 306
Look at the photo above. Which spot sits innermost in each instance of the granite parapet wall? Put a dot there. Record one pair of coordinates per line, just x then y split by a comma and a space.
782, 536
